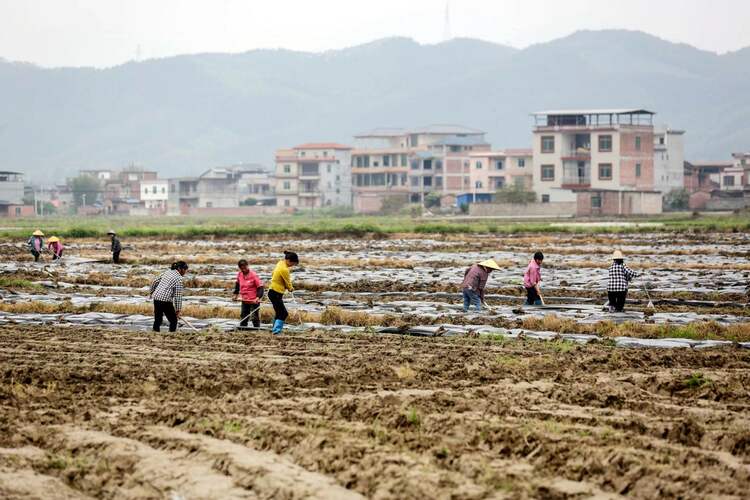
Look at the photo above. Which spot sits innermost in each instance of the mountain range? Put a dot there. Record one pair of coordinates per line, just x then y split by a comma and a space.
181, 115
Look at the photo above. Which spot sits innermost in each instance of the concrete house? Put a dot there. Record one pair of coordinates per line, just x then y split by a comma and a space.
314, 175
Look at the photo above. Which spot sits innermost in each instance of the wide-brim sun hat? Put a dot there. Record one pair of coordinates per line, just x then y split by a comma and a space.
54, 239
617, 255
111, 231
37, 233
490, 263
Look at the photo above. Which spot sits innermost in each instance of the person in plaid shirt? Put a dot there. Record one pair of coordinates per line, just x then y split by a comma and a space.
619, 278
166, 290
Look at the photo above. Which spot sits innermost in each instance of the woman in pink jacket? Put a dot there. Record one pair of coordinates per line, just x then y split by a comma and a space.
531, 280
249, 288
55, 247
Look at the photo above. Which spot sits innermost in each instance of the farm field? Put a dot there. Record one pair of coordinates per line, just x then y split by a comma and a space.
382, 387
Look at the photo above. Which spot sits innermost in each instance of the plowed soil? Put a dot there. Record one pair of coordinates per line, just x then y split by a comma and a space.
121, 414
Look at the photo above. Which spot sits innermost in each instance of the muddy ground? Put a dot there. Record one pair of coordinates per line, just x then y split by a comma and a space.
121, 414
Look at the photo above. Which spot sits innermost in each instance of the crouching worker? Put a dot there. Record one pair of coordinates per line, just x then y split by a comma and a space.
166, 290
532, 279
619, 278
250, 288
281, 282
36, 244
55, 247
475, 281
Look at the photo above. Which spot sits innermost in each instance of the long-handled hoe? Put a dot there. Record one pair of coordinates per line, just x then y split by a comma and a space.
253, 312
188, 324
650, 304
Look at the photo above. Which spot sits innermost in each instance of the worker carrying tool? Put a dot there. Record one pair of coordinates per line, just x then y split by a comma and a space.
116, 247
249, 287
475, 281
618, 280
532, 280
36, 244
55, 247
281, 282
166, 291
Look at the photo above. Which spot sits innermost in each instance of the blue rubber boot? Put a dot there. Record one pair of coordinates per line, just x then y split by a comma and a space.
277, 326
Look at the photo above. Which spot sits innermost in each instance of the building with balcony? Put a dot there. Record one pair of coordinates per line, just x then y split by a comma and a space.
669, 160
154, 195
594, 151
314, 175
493, 170
409, 164
12, 194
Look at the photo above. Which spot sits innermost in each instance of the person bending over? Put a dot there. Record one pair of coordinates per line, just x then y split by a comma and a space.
166, 290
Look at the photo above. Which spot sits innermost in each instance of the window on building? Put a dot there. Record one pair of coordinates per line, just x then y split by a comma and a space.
661, 140
286, 203
729, 180
548, 144
455, 149
499, 165
548, 172
153, 189
605, 171
302, 153
438, 182
605, 143
637, 142
479, 165
478, 184
596, 201
545, 198
18, 211
427, 164
163, 190
438, 164
415, 181
209, 204
375, 163
145, 190
521, 162
287, 169
325, 153
500, 183
403, 160
328, 169
637, 169
287, 185
386, 160
427, 181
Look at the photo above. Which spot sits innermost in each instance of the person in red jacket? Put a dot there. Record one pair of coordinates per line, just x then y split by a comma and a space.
249, 288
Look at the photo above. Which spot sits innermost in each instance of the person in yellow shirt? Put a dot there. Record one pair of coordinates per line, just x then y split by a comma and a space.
281, 281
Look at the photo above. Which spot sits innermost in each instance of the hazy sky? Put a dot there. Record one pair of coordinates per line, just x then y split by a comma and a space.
109, 32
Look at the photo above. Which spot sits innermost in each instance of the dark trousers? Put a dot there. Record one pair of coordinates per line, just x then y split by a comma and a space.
116, 257
36, 255
277, 300
245, 310
617, 300
532, 297
56, 256
161, 309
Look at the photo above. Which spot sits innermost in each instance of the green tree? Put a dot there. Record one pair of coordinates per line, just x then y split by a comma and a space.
84, 185
677, 199
514, 193
432, 200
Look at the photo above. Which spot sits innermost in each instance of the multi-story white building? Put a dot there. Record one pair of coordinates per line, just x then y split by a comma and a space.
592, 149
314, 175
669, 160
154, 194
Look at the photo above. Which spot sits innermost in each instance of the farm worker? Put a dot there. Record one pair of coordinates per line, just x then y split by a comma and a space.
55, 247
116, 246
475, 280
249, 287
166, 290
36, 244
281, 282
532, 279
620, 276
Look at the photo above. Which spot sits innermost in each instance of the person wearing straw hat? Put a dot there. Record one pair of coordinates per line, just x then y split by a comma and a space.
116, 247
475, 281
36, 244
55, 246
618, 280
249, 287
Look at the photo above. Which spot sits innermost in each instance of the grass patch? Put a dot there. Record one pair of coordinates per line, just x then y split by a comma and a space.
696, 380
405, 372
6, 282
413, 417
